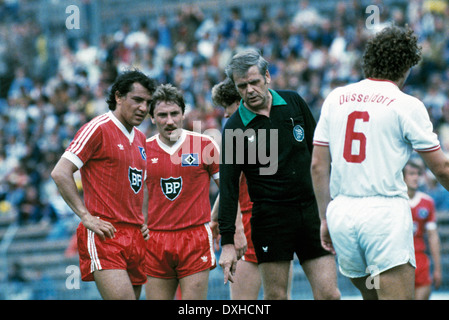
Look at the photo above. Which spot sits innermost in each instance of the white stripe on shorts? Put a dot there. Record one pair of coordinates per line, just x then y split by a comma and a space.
95, 262
211, 243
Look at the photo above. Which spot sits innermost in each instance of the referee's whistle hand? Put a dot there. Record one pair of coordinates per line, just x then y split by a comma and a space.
228, 262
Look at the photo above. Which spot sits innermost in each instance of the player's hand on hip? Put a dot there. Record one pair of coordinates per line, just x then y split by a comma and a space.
100, 227
228, 262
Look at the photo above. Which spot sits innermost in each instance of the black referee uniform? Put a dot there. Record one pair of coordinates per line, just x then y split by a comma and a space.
275, 155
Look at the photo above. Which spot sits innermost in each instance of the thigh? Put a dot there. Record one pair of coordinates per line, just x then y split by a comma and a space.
322, 275
160, 289
397, 283
115, 285
275, 278
247, 281
194, 287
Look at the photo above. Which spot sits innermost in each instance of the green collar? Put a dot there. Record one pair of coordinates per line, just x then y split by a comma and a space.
247, 115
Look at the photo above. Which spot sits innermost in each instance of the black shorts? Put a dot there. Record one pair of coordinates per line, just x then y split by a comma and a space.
278, 231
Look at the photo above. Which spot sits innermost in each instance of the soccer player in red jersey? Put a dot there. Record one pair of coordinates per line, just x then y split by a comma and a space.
424, 223
110, 154
180, 166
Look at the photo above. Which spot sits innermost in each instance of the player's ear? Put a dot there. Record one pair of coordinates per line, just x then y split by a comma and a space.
118, 97
152, 120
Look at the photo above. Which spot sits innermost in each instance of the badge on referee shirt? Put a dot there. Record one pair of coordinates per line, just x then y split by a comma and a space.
298, 133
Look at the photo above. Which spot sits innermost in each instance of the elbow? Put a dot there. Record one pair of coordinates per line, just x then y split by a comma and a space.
54, 175
316, 167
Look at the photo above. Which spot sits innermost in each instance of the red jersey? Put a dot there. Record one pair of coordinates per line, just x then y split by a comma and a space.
112, 163
424, 218
245, 202
179, 180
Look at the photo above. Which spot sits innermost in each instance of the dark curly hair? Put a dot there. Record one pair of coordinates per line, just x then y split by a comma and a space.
224, 93
391, 53
123, 85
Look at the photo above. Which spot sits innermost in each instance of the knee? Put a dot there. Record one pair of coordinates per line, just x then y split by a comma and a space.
330, 294
275, 294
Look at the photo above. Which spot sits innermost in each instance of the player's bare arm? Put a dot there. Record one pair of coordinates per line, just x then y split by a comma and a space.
321, 162
62, 174
144, 227
438, 163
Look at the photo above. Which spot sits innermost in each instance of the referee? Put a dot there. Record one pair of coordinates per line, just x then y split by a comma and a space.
269, 138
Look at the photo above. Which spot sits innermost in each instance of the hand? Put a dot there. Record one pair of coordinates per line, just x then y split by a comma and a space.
240, 243
100, 227
215, 234
228, 262
145, 232
326, 240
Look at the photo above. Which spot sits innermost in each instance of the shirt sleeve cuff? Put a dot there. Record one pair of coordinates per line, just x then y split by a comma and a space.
227, 238
73, 158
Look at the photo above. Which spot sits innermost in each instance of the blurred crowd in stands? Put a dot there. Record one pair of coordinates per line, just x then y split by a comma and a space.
309, 51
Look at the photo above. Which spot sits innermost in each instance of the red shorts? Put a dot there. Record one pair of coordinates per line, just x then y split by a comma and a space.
422, 271
250, 254
126, 251
180, 253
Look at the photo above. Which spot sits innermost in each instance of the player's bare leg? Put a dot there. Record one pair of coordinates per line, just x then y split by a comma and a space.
397, 283
160, 289
275, 277
247, 281
116, 285
423, 293
322, 275
368, 292
194, 287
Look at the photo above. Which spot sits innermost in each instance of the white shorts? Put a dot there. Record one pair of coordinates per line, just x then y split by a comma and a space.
371, 235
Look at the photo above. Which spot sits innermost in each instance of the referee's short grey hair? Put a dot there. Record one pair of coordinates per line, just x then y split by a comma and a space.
242, 61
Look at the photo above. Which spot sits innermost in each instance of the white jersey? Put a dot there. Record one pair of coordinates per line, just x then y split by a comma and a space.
371, 128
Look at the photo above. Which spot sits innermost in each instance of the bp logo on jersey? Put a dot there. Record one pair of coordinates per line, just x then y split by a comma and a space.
298, 133
171, 187
135, 178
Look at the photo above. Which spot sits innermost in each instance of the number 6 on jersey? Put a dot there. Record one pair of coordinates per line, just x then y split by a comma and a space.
352, 136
